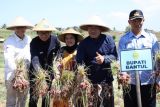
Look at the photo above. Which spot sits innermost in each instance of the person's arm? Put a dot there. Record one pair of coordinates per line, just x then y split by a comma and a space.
121, 46
58, 45
9, 60
34, 56
155, 50
155, 44
80, 54
122, 76
27, 52
113, 51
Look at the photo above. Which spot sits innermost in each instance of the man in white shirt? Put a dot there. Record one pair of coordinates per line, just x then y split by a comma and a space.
16, 46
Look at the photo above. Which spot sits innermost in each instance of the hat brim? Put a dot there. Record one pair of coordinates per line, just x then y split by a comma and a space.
62, 37
102, 28
13, 27
139, 17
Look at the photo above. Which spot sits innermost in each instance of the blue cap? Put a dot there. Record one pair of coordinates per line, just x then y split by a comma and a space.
134, 14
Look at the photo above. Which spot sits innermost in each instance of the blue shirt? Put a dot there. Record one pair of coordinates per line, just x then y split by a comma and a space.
145, 40
86, 54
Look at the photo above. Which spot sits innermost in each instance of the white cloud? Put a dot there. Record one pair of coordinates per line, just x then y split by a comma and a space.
149, 2
151, 9
117, 19
87, 0
148, 5
121, 15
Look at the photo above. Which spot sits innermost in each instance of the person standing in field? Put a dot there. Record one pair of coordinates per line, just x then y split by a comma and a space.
137, 38
97, 52
16, 47
43, 49
71, 38
66, 58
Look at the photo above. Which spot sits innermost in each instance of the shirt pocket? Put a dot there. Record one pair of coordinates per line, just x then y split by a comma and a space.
129, 45
147, 44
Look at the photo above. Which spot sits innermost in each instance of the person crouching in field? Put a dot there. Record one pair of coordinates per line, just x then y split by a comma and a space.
66, 58
97, 52
16, 48
43, 48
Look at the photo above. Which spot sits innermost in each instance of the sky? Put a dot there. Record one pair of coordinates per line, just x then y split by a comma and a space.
68, 13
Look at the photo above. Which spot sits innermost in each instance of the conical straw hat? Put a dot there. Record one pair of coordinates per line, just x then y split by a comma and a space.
44, 25
19, 22
70, 31
94, 21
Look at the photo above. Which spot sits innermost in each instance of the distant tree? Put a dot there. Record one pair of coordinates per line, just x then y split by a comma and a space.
76, 28
149, 31
4, 26
114, 29
114, 37
59, 28
128, 28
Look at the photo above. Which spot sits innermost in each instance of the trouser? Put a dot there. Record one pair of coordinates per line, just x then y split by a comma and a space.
101, 96
148, 96
15, 98
106, 97
34, 98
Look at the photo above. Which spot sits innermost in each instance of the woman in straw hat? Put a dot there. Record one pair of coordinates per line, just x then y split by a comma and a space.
97, 52
71, 38
16, 47
43, 49
66, 59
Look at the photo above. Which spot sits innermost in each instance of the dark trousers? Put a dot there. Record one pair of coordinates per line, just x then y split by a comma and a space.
106, 97
34, 99
148, 96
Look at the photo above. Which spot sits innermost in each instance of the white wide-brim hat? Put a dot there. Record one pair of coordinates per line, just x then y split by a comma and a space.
44, 25
95, 21
19, 22
61, 37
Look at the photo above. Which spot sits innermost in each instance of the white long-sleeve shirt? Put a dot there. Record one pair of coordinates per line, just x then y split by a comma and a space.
14, 49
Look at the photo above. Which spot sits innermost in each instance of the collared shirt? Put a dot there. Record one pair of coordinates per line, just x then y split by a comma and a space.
145, 40
43, 52
14, 49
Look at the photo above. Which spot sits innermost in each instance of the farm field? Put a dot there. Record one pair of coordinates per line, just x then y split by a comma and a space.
4, 34
118, 94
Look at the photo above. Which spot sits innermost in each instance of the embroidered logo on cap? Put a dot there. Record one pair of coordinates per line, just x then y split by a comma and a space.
136, 14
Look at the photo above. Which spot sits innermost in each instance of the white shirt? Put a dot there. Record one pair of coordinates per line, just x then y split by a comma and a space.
14, 49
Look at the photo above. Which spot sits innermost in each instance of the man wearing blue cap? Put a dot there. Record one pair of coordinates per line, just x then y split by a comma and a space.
137, 38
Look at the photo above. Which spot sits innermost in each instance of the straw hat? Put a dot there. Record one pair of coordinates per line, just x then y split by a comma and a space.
70, 31
19, 22
95, 21
44, 25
